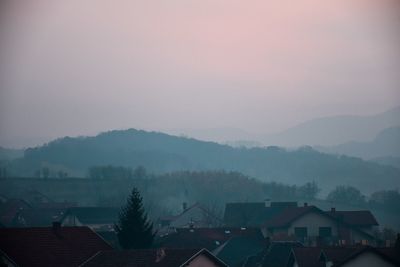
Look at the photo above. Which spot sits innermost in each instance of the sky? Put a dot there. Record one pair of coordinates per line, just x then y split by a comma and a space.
80, 67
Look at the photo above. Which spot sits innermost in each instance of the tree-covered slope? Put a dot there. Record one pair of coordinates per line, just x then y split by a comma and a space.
160, 153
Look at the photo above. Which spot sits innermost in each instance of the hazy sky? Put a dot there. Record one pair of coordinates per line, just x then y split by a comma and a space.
79, 67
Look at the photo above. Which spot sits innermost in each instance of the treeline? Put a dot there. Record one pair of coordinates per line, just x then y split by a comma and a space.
112, 172
222, 186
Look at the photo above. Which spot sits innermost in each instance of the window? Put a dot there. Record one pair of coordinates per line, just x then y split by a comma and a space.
300, 232
325, 231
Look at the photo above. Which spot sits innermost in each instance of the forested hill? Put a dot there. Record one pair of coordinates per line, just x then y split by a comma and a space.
160, 153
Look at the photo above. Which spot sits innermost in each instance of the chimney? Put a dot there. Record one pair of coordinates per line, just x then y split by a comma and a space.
160, 254
333, 209
184, 206
305, 204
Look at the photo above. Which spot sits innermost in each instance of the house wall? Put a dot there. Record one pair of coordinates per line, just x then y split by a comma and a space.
368, 259
202, 261
312, 221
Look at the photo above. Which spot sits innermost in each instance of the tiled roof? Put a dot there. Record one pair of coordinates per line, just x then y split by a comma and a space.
45, 246
145, 258
338, 254
355, 218
237, 249
391, 255
94, 215
38, 217
209, 238
278, 253
307, 257
253, 213
289, 215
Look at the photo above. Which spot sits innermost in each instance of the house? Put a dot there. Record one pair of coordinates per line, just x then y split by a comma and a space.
253, 214
155, 257
312, 226
96, 218
49, 246
209, 238
194, 216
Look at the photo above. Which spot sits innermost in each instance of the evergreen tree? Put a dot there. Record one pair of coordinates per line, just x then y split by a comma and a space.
134, 230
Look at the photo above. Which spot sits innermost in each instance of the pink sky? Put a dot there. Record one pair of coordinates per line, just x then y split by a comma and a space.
80, 67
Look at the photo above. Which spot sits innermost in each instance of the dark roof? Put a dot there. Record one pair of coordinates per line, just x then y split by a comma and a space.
37, 217
94, 215
252, 213
391, 255
238, 249
307, 257
45, 246
278, 253
355, 218
288, 215
337, 254
147, 258
209, 238
196, 205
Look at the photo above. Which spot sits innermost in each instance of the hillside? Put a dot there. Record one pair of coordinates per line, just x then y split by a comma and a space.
161, 153
385, 144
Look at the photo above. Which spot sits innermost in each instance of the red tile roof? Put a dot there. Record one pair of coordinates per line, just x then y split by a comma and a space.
289, 215
146, 258
355, 218
45, 246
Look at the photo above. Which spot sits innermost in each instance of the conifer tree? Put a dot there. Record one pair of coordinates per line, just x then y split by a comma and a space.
134, 230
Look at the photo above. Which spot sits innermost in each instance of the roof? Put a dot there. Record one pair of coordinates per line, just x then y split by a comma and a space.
391, 255
209, 238
194, 206
147, 258
278, 253
252, 213
337, 254
94, 215
307, 257
46, 246
38, 217
355, 218
288, 215
237, 249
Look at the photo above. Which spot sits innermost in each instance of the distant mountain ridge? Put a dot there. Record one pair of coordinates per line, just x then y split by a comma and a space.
331, 131
160, 153
324, 131
385, 144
